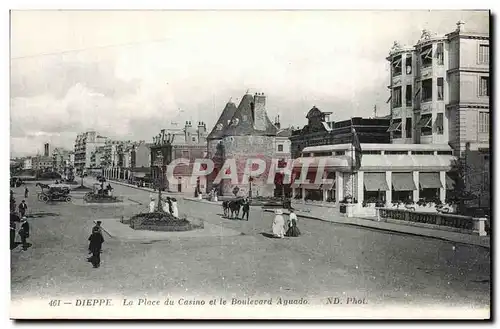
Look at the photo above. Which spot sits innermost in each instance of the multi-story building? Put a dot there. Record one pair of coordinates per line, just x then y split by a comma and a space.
97, 158
28, 164
85, 144
440, 95
133, 159
59, 159
173, 143
41, 163
321, 131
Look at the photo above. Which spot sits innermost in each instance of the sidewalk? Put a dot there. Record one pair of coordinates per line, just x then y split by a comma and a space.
482, 241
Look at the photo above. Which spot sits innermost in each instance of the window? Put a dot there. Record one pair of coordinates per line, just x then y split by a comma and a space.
484, 86
439, 124
396, 66
395, 128
396, 99
408, 95
185, 154
193, 139
484, 122
445, 152
426, 56
408, 128
408, 64
427, 90
440, 53
422, 152
425, 125
484, 54
371, 152
340, 153
440, 88
280, 147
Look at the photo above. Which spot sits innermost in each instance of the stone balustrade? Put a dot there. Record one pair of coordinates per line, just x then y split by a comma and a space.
464, 223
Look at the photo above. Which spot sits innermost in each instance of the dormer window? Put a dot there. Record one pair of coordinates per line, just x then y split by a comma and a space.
396, 66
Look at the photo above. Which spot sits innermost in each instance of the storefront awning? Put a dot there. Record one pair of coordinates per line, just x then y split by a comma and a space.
429, 180
375, 181
450, 183
311, 186
403, 182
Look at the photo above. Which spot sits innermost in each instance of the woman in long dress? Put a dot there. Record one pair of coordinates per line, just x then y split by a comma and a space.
152, 205
293, 230
166, 207
279, 224
175, 209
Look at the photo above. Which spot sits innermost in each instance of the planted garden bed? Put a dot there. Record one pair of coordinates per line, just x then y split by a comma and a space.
161, 221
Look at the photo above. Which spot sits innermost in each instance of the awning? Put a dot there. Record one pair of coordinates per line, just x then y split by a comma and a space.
375, 181
311, 186
395, 126
327, 186
424, 121
403, 182
450, 183
139, 174
429, 180
417, 92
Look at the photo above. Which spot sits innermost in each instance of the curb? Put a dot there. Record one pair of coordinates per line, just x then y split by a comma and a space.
390, 230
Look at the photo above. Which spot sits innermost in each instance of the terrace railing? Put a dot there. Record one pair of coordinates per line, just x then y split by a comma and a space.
466, 223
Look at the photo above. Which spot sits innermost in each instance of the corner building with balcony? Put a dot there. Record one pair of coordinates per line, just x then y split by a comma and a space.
440, 95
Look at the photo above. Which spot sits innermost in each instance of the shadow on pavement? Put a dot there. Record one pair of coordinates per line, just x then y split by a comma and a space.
42, 214
267, 235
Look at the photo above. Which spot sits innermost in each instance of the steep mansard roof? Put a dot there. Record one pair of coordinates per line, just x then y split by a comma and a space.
222, 123
242, 122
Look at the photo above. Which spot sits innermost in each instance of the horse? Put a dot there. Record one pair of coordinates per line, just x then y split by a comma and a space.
235, 206
225, 207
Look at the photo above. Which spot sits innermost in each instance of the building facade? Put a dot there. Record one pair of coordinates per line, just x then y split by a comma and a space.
440, 92
85, 144
242, 133
28, 164
59, 159
321, 131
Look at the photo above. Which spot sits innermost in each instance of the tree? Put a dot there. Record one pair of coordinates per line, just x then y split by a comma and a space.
459, 195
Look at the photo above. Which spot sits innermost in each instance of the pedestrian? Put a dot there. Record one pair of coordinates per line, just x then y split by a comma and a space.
166, 207
24, 233
279, 224
175, 209
293, 230
152, 205
12, 234
246, 208
23, 207
26, 192
95, 246
170, 208
98, 226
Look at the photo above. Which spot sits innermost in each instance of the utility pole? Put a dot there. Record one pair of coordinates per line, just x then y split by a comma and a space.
375, 111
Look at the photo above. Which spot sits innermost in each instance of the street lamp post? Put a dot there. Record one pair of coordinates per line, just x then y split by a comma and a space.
159, 164
250, 180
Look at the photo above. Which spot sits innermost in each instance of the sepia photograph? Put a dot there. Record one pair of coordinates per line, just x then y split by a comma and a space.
250, 164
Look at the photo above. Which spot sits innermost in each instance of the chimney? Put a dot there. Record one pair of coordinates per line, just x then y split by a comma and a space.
460, 26
259, 111
277, 122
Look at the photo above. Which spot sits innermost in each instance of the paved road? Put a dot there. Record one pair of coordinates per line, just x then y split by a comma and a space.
327, 260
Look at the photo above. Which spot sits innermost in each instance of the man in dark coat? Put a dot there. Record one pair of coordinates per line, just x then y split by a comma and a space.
169, 201
95, 247
246, 209
23, 207
24, 233
12, 234
26, 192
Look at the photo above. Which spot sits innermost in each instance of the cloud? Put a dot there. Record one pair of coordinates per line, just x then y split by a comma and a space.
136, 69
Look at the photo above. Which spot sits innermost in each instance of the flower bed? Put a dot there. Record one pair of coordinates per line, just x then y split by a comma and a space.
160, 221
92, 198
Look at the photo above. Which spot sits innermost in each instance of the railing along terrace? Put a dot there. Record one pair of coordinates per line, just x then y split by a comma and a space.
449, 220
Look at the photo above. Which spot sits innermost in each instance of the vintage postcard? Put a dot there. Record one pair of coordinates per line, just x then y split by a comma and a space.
250, 164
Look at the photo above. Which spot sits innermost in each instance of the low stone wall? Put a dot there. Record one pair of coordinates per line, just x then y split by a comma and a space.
465, 224
166, 223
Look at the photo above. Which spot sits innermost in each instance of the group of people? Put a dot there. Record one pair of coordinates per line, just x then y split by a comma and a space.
282, 228
169, 206
20, 217
95, 245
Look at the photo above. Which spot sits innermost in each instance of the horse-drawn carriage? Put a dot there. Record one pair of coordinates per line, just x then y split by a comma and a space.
55, 192
232, 207
100, 194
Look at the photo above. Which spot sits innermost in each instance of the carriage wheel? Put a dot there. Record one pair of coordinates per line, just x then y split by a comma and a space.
68, 199
45, 198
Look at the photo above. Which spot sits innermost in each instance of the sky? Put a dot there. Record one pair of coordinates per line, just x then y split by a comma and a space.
128, 74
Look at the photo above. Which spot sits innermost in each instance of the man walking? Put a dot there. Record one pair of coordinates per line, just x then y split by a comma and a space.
23, 207
24, 233
95, 246
246, 209
26, 192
